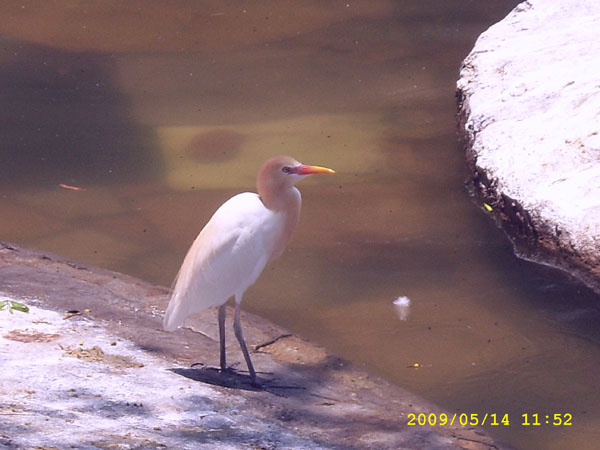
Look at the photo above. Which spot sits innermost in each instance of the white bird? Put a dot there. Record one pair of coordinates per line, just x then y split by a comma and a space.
231, 251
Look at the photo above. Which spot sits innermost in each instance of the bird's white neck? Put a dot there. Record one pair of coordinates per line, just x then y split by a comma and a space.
286, 203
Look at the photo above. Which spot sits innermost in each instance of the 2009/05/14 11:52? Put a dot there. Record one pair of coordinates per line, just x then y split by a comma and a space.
475, 419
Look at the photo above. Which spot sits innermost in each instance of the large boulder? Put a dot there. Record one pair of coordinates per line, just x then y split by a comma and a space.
529, 109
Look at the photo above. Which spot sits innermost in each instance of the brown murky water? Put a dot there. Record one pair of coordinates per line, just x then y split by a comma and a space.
161, 113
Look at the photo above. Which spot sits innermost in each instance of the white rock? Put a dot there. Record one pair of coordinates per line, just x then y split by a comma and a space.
63, 401
531, 110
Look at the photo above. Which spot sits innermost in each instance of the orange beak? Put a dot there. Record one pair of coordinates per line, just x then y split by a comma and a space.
310, 170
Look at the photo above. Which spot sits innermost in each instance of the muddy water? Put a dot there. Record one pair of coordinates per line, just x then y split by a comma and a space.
159, 115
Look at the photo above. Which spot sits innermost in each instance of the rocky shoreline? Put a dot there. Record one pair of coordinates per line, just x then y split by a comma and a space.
90, 367
529, 119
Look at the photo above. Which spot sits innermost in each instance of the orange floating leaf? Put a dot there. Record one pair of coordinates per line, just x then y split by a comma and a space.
71, 188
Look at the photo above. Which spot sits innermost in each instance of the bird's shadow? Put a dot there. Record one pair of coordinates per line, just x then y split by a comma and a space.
230, 378
212, 375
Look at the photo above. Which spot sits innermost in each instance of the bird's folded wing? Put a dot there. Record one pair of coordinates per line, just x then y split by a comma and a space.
226, 257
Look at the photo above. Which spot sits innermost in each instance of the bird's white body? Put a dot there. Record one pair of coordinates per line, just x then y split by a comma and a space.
228, 255
231, 251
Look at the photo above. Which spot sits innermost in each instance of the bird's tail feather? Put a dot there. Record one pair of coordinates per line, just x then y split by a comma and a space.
175, 314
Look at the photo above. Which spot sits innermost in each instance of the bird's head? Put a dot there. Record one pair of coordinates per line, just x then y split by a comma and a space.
282, 172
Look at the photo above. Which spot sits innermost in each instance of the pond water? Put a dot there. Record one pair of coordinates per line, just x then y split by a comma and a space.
159, 115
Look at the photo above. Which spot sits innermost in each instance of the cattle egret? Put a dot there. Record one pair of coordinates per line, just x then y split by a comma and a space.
231, 251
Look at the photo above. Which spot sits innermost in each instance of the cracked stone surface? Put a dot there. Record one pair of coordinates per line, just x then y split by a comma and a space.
529, 108
89, 367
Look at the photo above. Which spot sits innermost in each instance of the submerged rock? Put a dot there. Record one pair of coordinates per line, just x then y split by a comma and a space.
529, 109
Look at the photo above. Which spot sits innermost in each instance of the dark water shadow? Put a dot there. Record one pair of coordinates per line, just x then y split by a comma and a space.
65, 120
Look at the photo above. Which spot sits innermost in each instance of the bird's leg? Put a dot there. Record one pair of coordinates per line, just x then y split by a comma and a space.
222, 314
237, 327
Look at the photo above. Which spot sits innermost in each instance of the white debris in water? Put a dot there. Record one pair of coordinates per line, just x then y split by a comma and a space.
402, 307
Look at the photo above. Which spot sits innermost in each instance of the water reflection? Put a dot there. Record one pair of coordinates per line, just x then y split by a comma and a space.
64, 120
193, 100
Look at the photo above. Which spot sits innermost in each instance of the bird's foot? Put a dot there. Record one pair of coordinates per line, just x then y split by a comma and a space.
240, 375
229, 369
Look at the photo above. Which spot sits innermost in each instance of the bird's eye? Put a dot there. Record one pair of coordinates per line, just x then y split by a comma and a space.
286, 169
